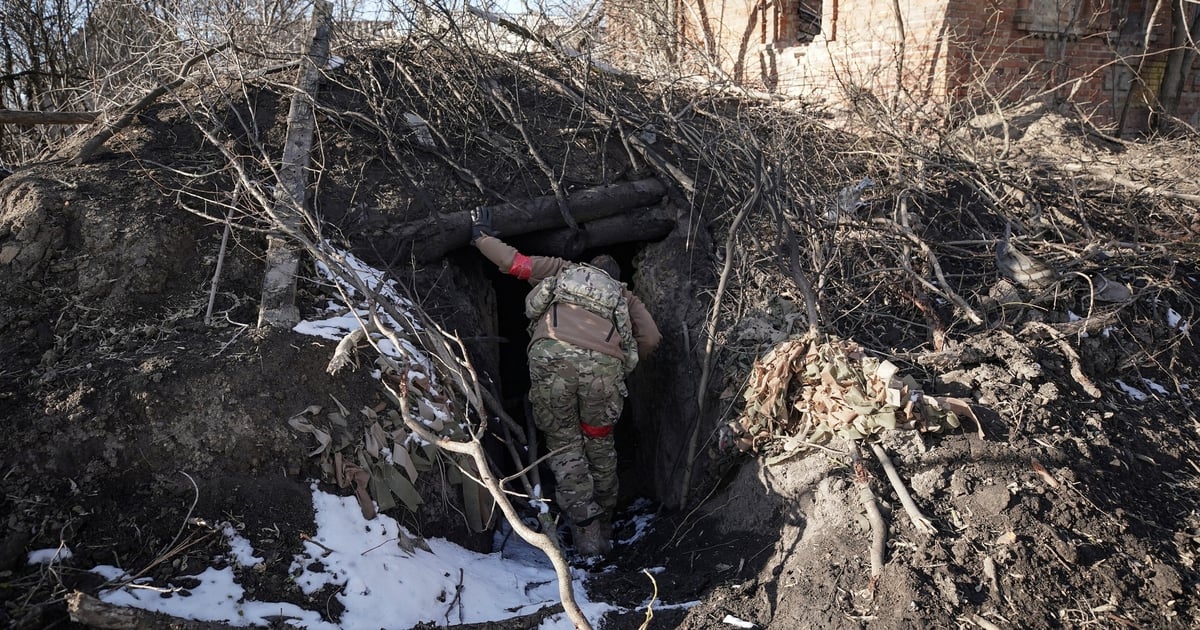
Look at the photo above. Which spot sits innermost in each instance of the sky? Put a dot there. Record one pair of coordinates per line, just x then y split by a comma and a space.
380, 584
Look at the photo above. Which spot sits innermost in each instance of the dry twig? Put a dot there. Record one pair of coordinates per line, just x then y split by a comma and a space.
919, 520
879, 528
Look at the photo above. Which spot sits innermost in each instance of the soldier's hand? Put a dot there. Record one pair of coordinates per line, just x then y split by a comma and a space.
481, 223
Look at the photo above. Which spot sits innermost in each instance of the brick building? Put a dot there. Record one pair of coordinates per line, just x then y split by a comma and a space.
941, 51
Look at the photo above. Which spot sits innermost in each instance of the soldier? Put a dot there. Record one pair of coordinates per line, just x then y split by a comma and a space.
588, 333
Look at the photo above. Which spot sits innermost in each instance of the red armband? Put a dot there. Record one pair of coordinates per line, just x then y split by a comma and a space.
596, 432
522, 266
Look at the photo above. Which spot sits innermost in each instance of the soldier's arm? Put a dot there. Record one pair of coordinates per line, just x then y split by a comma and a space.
514, 263
644, 328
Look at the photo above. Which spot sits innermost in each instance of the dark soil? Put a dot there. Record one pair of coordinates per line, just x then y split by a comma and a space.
134, 429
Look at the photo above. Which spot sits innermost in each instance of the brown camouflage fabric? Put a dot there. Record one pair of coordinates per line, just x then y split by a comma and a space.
570, 385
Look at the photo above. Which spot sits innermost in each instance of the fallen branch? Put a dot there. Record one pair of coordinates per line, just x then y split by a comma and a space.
1072, 357
650, 604
343, 353
474, 450
1152, 190
943, 290
937, 328
878, 531
343, 356
521, 622
801, 279
879, 528
216, 278
521, 31
13, 117
97, 142
505, 106
667, 168
94, 613
920, 521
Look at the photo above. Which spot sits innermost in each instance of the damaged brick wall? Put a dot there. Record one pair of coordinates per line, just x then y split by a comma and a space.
1080, 51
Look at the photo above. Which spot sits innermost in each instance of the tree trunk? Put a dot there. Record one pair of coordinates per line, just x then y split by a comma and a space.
14, 117
431, 239
1179, 61
1137, 82
278, 307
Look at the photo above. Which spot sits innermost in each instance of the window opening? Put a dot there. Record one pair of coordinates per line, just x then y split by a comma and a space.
808, 20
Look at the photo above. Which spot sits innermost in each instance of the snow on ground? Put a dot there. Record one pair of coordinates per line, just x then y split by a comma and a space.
50, 556
1155, 387
381, 584
640, 521
1131, 391
1177, 321
341, 319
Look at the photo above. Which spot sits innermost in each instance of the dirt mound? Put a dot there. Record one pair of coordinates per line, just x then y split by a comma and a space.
1077, 507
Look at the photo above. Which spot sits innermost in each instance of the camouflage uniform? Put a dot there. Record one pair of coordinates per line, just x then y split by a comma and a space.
570, 387
577, 369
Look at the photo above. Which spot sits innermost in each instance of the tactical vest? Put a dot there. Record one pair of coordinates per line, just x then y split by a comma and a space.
590, 288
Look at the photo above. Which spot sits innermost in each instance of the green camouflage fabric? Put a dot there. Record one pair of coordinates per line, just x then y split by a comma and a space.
570, 385
584, 285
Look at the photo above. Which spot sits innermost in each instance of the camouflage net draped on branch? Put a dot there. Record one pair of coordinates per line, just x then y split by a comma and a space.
806, 392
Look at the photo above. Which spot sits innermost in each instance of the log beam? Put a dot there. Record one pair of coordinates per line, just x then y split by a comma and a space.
430, 240
28, 118
641, 224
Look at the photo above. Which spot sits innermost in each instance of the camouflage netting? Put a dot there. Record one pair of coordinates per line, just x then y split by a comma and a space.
806, 392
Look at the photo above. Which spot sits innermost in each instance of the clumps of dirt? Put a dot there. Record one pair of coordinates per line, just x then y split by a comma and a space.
112, 384
107, 247
1072, 509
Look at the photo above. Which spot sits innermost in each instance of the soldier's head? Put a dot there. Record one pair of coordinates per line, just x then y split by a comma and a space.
608, 264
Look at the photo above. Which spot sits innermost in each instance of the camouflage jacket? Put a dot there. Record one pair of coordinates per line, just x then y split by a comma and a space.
569, 322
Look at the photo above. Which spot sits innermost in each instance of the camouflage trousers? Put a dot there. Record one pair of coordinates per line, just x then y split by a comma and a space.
570, 386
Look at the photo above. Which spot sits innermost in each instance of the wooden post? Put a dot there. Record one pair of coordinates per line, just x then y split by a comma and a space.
278, 306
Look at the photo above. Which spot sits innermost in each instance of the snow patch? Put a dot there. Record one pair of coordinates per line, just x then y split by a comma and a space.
50, 556
1155, 387
240, 548
1131, 391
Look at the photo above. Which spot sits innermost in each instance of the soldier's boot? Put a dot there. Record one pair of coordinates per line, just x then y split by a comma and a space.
606, 533
589, 539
